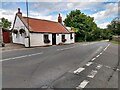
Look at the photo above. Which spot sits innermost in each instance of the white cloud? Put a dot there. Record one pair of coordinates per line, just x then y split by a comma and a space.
48, 7
103, 25
48, 17
110, 11
41, 10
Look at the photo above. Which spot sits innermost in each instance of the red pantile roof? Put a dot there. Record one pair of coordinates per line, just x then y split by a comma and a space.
39, 25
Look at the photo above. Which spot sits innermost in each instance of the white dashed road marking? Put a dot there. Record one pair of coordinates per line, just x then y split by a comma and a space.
99, 66
108, 67
82, 84
107, 47
100, 53
93, 59
118, 69
92, 74
97, 56
89, 63
20, 57
79, 70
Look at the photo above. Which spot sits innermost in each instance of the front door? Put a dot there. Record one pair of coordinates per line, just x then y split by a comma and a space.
53, 39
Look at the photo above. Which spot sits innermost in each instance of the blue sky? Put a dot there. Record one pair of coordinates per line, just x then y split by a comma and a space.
103, 12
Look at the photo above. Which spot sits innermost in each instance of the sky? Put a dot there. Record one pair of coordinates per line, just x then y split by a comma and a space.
103, 11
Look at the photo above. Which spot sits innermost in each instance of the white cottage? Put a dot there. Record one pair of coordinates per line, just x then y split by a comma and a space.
37, 32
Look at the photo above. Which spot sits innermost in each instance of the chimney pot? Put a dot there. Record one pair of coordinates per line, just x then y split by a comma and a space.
19, 12
59, 19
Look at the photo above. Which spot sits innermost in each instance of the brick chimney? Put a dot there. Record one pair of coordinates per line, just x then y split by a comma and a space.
19, 13
59, 19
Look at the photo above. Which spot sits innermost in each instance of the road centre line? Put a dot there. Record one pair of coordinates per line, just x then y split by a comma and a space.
107, 47
89, 63
74, 46
101, 52
93, 59
21, 57
97, 56
78, 70
82, 84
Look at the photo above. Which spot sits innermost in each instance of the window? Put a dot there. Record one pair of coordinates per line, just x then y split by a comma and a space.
46, 37
71, 36
63, 36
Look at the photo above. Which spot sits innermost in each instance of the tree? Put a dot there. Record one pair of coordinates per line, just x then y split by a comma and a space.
84, 24
5, 23
114, 27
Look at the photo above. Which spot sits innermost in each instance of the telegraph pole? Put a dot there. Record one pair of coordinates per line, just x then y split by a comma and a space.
28, 22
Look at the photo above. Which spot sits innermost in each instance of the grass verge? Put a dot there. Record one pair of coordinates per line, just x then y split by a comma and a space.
115, 42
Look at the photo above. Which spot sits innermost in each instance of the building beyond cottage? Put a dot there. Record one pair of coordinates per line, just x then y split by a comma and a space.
37, 32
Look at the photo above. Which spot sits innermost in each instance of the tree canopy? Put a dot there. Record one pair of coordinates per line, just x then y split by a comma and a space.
114, 27
5, 23
83, 25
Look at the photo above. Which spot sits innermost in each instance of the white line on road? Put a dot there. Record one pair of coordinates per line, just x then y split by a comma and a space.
108, 67
92, 74
82, 84
89, 63
97, 56
118, 69
20, 57
93, 59
99, 66
107, 47
79, 70
101, 53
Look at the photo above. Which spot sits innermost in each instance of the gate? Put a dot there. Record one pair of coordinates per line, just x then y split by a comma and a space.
6, 37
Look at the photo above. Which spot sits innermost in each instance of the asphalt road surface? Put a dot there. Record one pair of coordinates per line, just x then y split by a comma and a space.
80, 65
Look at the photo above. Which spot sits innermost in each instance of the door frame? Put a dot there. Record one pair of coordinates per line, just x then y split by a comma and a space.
53, 38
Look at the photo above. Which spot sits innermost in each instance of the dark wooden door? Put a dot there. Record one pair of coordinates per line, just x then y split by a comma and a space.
53, 39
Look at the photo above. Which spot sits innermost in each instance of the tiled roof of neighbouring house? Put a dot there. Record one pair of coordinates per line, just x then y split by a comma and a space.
39, 25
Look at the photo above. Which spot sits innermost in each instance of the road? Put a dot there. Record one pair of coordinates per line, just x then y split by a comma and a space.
79, 65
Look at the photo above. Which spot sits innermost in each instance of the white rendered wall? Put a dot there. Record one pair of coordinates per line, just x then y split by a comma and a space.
37, 39
67, 37
17, 38
58, 38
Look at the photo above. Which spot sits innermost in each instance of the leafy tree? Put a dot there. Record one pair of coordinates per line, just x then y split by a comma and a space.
114, 27
5, 23
84, 24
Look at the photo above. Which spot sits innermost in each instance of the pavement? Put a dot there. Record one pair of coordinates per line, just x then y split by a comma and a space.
75, 66
11, 46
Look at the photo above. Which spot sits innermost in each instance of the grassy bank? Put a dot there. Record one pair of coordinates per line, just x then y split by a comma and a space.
115, 42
